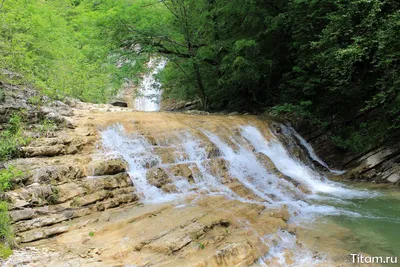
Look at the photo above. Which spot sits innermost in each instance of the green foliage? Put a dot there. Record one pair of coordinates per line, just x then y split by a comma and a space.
46, 127
340, 57
329, 62
35, 100
7, 176
344, 53
202, 246
291, 108
59, 47
301, 111
358, 138
91, 233
6, 233
5, 251
12, 138
52, 199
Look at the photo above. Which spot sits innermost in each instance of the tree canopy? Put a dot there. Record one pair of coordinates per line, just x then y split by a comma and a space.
335, 63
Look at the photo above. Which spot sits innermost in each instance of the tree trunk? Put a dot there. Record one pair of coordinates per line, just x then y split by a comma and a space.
200, 87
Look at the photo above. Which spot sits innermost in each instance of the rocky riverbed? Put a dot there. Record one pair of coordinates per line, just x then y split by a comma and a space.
115, 187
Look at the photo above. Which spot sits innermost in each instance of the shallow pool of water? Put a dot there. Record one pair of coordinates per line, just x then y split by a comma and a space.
376, 231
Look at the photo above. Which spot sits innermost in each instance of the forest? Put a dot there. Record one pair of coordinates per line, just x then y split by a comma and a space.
333, 63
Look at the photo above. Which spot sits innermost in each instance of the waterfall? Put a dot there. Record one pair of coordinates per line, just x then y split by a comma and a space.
138, 153
149, 93
310, 150
262, 165
244, 164
294, 168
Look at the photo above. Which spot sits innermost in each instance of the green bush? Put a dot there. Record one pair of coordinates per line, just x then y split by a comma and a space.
46, 127
361, 138
35, 100
7, 176
6, 233
58, 47
5, 251
12, 138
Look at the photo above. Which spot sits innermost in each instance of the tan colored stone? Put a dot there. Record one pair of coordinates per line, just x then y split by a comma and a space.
44, 151
106, 167
157, 177
183, 170
18, 215
69, 191
33, 235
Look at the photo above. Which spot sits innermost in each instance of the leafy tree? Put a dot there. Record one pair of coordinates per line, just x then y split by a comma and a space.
340, 57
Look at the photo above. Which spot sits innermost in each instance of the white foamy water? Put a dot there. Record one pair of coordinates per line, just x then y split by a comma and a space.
295, 169
244, 165
149, 93
138, 153
276, 191
310, 149
242, 156
286, 252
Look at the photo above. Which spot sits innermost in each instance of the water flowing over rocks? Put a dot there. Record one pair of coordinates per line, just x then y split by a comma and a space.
148, 95
380, 165
119, 187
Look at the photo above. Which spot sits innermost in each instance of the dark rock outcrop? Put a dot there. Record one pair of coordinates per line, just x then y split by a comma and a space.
120, 104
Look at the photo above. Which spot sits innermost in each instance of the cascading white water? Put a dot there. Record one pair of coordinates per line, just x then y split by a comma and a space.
149, 93
309, 148
138, 153
250, 172
245, 166
276, 191
294, 168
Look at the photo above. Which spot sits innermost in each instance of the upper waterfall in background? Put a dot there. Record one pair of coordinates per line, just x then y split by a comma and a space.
149, 92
